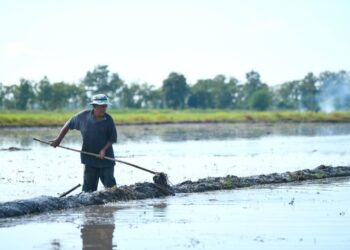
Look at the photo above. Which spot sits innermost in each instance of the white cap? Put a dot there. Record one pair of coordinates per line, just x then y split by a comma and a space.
100, 99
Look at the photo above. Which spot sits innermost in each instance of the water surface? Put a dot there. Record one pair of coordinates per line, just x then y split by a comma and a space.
308, 215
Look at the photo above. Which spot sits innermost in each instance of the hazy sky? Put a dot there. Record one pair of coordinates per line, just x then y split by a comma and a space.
144, 40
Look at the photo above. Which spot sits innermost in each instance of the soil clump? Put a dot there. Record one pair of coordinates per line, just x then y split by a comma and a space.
161, 188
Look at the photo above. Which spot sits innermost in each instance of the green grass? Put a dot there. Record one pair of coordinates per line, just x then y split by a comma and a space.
51, 118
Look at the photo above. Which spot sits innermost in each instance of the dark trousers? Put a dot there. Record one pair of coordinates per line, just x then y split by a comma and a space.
93, 174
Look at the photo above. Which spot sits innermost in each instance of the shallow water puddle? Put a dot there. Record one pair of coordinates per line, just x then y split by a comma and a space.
261, 218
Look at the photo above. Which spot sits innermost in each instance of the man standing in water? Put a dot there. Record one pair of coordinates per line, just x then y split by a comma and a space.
99, 133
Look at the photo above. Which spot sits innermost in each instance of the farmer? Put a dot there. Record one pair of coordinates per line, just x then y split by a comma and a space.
99, 133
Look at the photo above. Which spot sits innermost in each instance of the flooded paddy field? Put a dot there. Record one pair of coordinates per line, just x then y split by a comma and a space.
307, 215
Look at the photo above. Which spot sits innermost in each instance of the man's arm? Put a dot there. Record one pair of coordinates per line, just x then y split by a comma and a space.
112, 138
103, 150
56, 142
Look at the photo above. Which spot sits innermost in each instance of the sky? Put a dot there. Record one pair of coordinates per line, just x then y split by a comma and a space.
145, 40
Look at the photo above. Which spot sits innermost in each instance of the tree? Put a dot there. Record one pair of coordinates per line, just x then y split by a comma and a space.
44, 93
214, 93
2, 95
175, 91
308, 91
100, 81
201, 95
226, 92
59, 95
65, 95
261, 99
9, 100
78, 98
149, 97
253, 83
155, 99
129, 96
23, 94
288, 95
248, 99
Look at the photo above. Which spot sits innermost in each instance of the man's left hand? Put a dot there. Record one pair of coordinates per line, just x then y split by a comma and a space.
102, 154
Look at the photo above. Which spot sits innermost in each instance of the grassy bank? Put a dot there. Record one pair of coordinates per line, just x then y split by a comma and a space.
51, 118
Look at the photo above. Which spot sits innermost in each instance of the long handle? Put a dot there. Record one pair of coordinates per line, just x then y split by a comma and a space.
96, 155
69, 191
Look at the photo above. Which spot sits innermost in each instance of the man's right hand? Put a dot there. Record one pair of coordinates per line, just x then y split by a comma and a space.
55, 143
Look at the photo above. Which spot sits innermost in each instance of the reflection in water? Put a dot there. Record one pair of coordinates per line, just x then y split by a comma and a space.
160, 210
55, 244
98, 228
98, 225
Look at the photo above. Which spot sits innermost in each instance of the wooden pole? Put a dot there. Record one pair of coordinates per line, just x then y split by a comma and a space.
69, 191
96, 155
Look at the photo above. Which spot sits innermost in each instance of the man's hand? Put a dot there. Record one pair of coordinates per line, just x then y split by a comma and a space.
102, 154
56, 142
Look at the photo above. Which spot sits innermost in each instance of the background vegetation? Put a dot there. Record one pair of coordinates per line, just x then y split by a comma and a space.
143, 116
329, 91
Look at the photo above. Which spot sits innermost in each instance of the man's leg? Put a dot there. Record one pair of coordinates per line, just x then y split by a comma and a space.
91, 175
107, 176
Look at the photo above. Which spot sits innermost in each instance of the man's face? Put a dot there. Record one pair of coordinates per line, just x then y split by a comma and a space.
100, 110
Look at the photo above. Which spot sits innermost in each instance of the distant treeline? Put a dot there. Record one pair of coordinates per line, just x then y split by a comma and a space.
329, 91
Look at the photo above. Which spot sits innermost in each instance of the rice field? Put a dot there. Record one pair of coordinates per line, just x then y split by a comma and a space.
54, 118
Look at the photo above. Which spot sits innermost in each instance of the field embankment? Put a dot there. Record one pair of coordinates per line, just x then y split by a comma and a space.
57, 118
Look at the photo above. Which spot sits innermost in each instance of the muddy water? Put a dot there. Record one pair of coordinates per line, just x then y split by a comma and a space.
311, 215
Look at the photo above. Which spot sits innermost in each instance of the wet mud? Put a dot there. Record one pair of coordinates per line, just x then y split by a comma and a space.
11, 149
232, 182
161, 188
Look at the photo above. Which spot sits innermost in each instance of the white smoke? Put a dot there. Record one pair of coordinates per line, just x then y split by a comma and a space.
334, 92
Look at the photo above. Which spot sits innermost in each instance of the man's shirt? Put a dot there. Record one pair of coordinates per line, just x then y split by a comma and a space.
96, 134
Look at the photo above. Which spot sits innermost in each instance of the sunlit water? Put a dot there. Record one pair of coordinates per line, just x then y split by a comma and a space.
311, 215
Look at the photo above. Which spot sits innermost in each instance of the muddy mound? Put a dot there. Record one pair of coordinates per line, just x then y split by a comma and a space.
11, 149
48, 203
156, 190
232, 182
